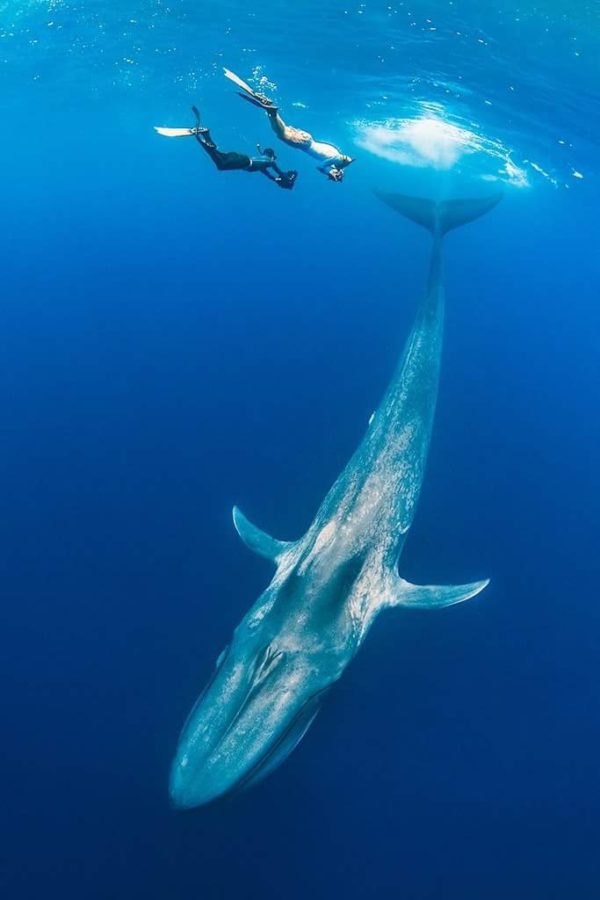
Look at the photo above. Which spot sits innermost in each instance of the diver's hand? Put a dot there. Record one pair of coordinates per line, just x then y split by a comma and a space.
287, 180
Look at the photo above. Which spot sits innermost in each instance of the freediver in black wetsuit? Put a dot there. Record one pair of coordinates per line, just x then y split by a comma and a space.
227, 161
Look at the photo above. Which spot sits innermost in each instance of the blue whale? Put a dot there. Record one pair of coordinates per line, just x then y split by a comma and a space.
329, 586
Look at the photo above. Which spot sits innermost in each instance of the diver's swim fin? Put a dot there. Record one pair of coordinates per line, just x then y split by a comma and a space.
237, 80
249, 93
176, 132
256, 102
250, 99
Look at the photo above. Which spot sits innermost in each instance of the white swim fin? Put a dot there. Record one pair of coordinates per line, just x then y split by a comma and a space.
175, 132
238, 81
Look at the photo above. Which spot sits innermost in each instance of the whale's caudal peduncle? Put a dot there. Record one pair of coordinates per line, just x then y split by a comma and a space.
329, 585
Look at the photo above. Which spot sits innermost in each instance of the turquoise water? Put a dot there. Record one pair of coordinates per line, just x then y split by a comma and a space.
518, 79
177, 339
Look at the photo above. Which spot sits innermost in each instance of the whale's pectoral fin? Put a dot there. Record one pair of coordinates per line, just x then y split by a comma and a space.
434, 596
258, 541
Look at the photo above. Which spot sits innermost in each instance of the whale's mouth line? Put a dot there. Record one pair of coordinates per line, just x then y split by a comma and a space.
252, 772
222, 658
266, 662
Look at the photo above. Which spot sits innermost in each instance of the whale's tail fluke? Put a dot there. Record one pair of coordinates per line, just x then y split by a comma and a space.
440, 217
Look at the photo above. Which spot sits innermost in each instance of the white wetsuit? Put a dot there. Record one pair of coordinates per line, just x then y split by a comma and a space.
327, 154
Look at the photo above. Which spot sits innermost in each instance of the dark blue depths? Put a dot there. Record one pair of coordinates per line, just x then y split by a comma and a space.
174, 341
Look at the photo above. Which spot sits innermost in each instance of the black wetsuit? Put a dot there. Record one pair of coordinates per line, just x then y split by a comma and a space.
226, 161
230, 161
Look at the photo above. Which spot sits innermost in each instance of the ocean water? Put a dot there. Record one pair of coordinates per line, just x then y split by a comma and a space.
176, 340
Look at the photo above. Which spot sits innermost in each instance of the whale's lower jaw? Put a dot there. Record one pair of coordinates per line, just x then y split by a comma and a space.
188, 792
184, 798
193, 789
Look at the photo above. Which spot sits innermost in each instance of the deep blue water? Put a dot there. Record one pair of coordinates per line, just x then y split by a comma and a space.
175, 340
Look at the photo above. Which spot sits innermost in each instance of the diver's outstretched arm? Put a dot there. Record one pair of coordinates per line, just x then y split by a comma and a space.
268, 174
270, 155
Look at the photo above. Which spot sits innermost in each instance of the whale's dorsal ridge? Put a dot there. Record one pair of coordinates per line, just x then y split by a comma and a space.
257, 540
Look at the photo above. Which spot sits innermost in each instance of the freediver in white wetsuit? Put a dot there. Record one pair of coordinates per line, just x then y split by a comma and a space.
332, 161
